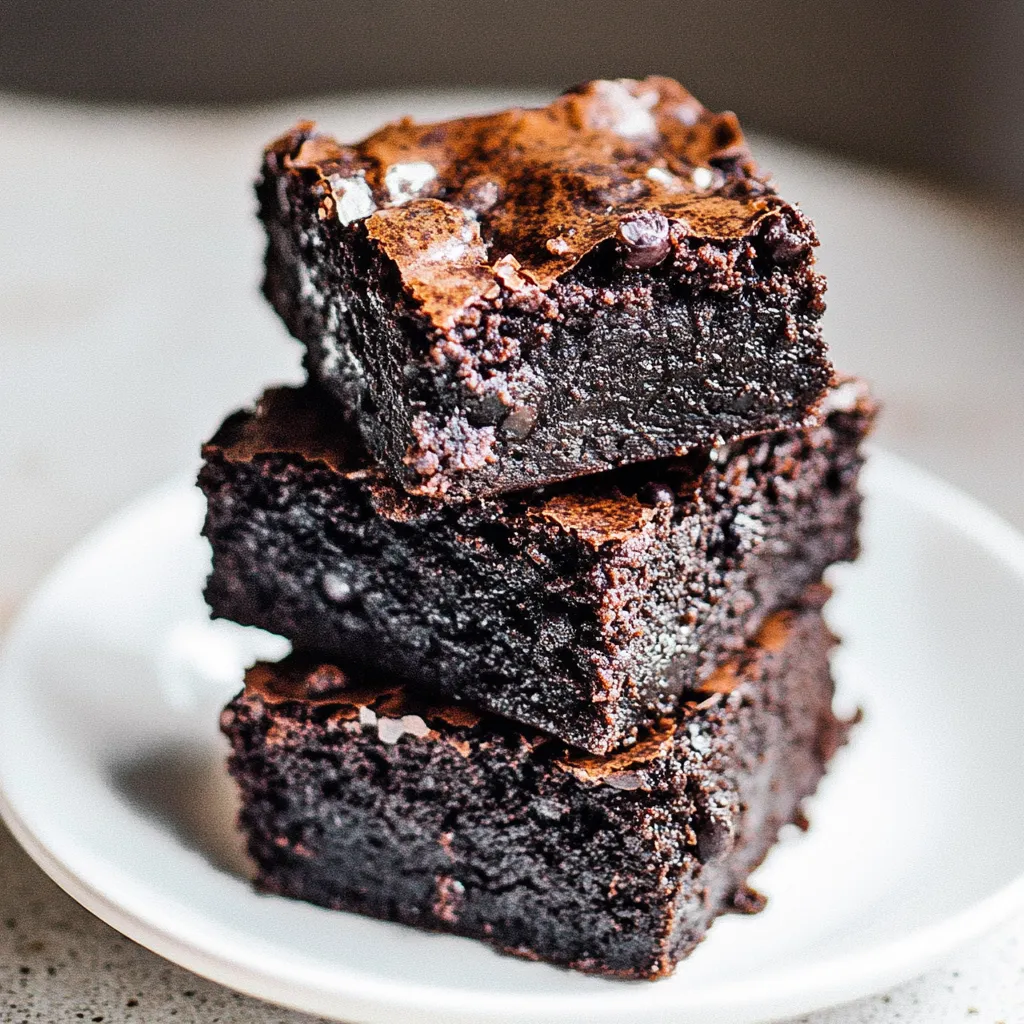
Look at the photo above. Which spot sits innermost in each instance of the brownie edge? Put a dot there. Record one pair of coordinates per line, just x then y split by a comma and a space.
588, 611
509, 300
359, 796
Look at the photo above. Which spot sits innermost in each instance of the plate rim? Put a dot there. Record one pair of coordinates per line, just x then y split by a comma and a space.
839, 979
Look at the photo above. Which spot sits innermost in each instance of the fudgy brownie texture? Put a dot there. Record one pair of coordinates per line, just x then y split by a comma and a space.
509, 300
360, 796
585, 609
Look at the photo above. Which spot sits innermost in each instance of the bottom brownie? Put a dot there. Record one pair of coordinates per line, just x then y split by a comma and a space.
360, 797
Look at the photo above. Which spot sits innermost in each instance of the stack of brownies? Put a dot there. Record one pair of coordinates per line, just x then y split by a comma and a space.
546, 527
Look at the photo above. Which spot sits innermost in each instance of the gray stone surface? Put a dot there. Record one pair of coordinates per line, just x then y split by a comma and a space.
59, 963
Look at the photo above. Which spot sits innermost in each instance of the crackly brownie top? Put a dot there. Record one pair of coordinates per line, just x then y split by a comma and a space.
292, 421
521, 196
394, 710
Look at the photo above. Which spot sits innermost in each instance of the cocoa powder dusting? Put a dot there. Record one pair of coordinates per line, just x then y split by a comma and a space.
450, 202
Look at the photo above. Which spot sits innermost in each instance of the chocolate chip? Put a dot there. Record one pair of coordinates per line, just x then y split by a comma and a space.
785, 245
655, 492
520, 421
644, 239
714, 839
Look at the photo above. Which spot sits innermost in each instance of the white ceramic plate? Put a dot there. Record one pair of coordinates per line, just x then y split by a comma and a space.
111, 775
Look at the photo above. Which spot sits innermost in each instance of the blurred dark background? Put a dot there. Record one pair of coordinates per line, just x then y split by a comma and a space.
936, 88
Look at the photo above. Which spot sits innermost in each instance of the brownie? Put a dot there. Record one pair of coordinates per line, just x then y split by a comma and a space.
359, 795
587, 609
509, 300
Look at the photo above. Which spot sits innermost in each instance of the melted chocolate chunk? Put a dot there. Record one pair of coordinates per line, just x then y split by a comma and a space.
644, 239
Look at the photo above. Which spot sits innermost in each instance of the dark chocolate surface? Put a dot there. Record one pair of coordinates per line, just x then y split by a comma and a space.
586, 609
360, 795
458, 203
518, 298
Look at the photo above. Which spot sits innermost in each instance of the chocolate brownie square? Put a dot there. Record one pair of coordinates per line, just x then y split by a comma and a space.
587, 609
510, 300
359, 795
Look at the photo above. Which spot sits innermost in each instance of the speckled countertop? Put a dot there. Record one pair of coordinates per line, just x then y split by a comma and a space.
59, 963
129, 263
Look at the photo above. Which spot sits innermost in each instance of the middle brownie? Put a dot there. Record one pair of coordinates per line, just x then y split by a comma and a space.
588, 609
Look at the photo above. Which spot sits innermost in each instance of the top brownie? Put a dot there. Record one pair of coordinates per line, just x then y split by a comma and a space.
509, 300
